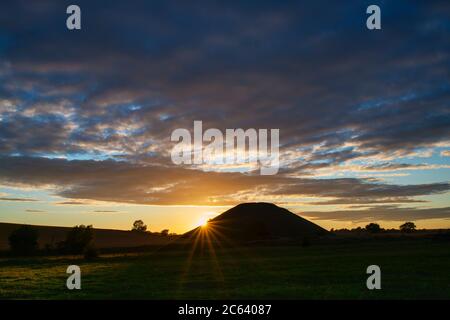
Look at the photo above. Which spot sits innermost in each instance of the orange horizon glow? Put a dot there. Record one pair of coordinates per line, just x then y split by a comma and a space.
177, 219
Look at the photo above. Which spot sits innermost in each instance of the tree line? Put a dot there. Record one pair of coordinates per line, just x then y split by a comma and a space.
407, 227
79, 240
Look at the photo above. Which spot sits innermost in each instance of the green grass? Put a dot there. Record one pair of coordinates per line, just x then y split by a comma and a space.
410, 270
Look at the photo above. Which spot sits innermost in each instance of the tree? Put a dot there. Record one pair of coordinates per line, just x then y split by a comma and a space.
408, 227
165, 232
24, 240
78, 239
139, 225
373, 228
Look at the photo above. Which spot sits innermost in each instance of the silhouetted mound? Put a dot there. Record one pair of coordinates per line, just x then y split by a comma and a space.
260, 221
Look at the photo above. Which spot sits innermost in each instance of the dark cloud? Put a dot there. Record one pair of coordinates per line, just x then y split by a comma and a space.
35, 211
136, 72
393, 166
70, 203
40, 134
358, 188
368, 200
380, 213
157, 184
18, 199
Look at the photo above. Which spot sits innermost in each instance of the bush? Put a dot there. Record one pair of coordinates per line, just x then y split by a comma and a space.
24, 241
78, 239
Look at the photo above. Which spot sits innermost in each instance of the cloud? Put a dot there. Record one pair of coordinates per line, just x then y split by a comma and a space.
381, 213
71, 203
367, 201
167, 64
35, 211
43, 133
346, 100
17, 199
169, 185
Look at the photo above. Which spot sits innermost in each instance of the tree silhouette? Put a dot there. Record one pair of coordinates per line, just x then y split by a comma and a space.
165, 232
373, 228
78, 239
139, 225
24, 240
408, 227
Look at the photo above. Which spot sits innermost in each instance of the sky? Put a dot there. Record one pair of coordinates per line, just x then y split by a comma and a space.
86, 115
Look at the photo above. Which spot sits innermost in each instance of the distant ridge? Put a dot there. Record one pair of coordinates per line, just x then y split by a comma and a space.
260, 220
104, 238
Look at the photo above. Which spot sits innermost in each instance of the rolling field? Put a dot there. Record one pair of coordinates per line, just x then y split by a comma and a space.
417, 269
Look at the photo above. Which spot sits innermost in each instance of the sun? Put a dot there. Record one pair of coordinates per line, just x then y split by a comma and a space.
203, 222
204, 219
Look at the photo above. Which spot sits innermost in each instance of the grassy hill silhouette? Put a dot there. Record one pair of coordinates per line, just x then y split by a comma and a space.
104, 238
260, 221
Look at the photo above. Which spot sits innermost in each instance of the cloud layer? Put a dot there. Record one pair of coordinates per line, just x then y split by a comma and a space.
157, 184
345, 99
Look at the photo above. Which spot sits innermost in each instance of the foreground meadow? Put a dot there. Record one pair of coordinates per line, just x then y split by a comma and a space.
416, 269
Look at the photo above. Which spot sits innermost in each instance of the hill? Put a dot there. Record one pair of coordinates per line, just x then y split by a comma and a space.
260, 221
104, 238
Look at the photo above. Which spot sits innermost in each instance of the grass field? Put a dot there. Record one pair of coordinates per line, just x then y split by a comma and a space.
416, 269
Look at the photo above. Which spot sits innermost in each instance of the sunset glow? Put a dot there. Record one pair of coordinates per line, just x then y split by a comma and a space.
203, 222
